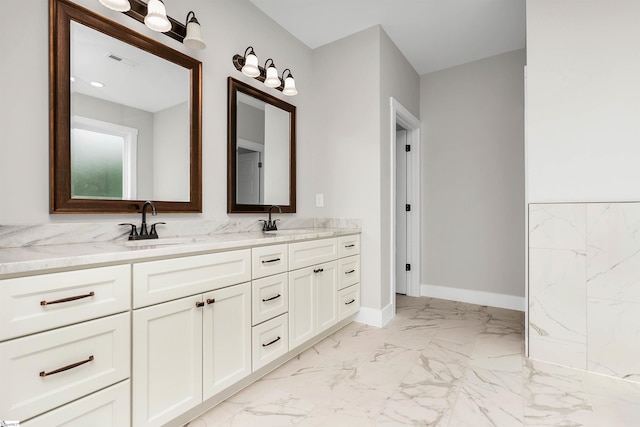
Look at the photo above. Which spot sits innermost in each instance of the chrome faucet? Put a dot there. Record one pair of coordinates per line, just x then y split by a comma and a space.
271, 225
144, 233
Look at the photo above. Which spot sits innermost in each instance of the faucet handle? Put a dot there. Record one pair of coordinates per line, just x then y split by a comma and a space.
274, 226
134, 231
265, 226
153, 231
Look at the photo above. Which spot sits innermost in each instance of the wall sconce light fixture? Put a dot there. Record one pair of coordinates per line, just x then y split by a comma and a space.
248, 65
154, 16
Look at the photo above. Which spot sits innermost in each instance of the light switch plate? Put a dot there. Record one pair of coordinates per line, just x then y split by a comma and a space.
319, 200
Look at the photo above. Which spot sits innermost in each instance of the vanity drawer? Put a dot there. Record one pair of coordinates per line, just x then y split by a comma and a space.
43, 371
348, 271
348, 245
165, 280
270, 297
269, 260
47, 301
270, 340
110, 407
348, 301
306, 254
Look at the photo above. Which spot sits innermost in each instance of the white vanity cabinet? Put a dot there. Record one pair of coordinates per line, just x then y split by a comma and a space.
187, 350
313, 288
270, 304
349, 276
65, 336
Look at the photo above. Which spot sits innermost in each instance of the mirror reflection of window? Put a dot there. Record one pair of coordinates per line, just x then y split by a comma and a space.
103, 160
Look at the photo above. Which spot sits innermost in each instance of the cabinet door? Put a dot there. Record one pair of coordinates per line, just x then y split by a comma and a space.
326, 276
302, 306
226, 338
167, 360
107, 408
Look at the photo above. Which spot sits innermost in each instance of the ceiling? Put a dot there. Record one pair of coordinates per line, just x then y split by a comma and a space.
432, 34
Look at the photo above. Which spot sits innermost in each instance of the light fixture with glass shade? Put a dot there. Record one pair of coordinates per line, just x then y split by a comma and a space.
117, 5
250, 67
193, 39
289, 84
156, 18
272, 79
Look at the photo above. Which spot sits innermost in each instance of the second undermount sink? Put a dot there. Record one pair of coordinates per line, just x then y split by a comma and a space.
165, 241
291, 232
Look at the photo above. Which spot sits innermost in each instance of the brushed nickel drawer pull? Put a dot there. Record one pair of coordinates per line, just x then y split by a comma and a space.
66, 368
349, 272
319, 270
199, 304
58, 301
271, 299
272, 342
350, 302
350, 246
211, 300
271, 260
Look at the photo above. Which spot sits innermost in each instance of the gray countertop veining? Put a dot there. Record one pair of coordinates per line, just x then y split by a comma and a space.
31, 259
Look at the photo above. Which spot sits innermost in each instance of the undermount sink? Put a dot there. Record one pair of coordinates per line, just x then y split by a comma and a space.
166, 241
289, 232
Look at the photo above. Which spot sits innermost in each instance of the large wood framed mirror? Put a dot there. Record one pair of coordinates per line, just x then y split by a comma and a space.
125, 118
261, 134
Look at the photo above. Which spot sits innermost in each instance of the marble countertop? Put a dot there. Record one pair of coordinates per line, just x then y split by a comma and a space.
27, 259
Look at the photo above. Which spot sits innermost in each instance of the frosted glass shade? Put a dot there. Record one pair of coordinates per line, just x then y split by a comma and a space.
193, 39
156, 18
272, 79
250, 68
118, 5
290, 86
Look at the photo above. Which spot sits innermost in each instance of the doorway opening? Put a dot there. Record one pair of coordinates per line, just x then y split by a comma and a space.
405, 206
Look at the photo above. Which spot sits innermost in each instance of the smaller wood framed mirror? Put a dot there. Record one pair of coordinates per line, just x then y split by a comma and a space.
261, 134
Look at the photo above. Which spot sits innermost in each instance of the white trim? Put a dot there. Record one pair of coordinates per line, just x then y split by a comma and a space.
490, 299
373, 317
526, 224
403, 117
249, 145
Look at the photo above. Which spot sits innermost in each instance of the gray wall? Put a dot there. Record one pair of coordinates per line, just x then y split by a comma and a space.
583, 101
171, 161
473, 175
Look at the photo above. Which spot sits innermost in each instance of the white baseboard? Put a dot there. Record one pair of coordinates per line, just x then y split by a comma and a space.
374, 317
510, 302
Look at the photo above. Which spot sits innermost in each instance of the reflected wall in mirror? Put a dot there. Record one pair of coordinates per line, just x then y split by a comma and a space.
261, 151
125, 118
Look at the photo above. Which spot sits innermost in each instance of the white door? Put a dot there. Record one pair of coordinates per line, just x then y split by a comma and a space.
326, 295
167, 360
226, 338
302, 306
248, 179
401, 213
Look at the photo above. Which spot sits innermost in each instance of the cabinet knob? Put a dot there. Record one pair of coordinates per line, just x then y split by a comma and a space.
211, 300
199, 304
318, 270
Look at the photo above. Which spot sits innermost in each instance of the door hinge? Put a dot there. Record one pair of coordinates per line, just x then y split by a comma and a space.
407, 148
259, 164
407, 267
407, 208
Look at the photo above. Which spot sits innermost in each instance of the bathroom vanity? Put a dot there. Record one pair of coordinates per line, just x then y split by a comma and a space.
155, 333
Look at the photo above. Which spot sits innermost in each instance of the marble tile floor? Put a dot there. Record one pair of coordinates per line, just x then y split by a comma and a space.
437, 363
